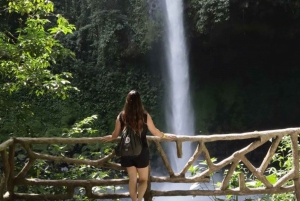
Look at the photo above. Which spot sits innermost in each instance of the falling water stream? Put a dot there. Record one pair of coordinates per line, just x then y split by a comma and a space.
180, 118
179, 113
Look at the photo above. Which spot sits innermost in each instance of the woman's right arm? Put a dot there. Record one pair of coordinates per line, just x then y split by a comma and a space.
115, 133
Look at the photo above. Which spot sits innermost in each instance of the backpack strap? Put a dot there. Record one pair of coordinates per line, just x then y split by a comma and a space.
145, 118
121, 120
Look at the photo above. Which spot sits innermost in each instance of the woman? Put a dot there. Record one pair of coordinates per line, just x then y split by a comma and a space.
135, 116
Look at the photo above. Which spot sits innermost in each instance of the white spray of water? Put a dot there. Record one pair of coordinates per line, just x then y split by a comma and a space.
180, 118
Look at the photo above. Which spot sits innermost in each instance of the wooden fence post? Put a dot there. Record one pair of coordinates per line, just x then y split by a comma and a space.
6, 170
1, 187
295, 152
11, 161
148, 195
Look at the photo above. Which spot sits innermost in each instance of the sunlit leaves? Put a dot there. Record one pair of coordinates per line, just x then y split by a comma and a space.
40, 7
82, 128
63, 26
272, 178
28, 54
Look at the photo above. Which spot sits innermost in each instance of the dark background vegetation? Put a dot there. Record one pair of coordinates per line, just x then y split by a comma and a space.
244, 66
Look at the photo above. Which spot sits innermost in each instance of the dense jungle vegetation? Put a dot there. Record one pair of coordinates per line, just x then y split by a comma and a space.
243, 55
63, 62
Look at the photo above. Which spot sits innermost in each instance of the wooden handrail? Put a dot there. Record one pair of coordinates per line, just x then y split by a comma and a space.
9, 180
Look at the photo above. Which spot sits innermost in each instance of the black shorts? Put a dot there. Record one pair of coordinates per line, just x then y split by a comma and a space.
140, 161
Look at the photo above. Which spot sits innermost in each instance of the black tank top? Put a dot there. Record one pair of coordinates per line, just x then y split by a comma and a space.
144, 132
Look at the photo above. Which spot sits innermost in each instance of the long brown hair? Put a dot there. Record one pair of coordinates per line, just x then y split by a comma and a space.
133, 111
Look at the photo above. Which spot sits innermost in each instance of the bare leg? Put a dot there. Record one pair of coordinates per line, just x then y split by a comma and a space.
132, 182
143, 179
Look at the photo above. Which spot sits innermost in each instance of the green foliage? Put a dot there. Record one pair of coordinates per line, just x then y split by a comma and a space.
209, 13
27, 53
201, 167
219, 108
31, 7
82, 128
112, 42
55, 170
233, 183
284, 159
282, 163
109, 31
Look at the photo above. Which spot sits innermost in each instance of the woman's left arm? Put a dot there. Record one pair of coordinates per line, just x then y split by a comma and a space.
157, 132
114, 134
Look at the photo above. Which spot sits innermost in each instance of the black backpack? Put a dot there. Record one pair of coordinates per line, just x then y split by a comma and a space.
130, 143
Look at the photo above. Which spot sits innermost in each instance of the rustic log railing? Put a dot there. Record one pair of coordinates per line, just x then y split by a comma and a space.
10, 180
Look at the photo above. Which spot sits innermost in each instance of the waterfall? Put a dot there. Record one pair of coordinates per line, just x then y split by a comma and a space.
179, 115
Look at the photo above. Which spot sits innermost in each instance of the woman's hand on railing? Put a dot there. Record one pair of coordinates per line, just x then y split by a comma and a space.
170, 136
106, 138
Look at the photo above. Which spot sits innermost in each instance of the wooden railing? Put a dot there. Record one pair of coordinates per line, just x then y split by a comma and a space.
10, 180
